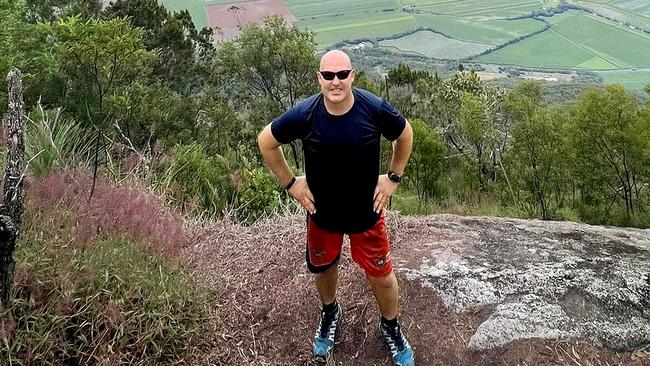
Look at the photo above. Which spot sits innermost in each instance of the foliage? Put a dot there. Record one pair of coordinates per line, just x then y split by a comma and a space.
259, 195
52, 140
362, 81
537, 147
51, 10
199, 183
611, 157
477, 135
99, 59
272, 62
535, 157
404, 75
22, 47
426, 164
150, 111
109, 302
184, 51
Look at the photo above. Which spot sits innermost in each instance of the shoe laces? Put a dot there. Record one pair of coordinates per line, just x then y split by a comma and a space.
395, 334
326, 322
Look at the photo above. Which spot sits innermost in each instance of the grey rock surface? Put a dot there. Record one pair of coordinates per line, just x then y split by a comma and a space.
541, 279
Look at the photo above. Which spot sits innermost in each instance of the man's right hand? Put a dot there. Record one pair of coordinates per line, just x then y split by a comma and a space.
301, 193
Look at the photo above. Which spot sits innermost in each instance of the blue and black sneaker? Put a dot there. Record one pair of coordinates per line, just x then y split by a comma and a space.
400, 348
324, 337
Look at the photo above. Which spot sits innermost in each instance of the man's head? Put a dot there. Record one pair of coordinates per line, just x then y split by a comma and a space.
336, 66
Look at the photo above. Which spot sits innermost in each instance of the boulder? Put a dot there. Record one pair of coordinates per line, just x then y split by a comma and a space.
539, 279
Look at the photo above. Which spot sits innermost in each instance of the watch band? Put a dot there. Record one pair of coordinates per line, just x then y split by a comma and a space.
394, 177
288, 187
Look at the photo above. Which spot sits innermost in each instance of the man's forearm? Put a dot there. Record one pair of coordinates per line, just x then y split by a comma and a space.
278, 164
402, 150
272, 153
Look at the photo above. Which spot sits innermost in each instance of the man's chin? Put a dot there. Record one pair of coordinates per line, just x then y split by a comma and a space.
335, 97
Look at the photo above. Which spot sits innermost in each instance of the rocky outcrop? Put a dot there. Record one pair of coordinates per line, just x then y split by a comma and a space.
540, 279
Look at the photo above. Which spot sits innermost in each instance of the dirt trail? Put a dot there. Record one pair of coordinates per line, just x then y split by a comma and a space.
269, 307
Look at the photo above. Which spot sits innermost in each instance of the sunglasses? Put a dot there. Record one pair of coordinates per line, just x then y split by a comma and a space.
329, 75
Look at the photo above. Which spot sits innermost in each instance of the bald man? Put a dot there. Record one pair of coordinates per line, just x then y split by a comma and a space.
343, 191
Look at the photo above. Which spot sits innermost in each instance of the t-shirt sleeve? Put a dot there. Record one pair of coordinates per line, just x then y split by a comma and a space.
290, 126
391, 123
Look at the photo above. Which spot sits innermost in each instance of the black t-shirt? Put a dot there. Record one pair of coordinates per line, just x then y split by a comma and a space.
342, 156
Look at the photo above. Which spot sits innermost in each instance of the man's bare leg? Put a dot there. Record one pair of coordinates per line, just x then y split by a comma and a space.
326, 285
330, 316
386, 291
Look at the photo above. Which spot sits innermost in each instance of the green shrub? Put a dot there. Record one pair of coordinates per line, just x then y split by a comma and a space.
53, 140
198, 183
111, 302
259, 195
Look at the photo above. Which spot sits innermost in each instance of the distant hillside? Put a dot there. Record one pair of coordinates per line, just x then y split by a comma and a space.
609, 39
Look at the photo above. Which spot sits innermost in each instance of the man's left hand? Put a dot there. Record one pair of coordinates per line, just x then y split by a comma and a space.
384, 190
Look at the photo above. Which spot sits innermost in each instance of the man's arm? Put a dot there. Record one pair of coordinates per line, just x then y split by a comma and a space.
401, 152
272, 153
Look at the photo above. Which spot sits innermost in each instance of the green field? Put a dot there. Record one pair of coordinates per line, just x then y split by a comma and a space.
370, 27
545, 50
195, 7
578, 41
485, 9
628, 78
489, 32
635, 12
475, 21
328, 8
430, 44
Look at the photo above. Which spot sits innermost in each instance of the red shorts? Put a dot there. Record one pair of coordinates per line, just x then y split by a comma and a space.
370, 249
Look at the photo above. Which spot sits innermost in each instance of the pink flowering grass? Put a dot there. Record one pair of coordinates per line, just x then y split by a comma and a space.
114, 211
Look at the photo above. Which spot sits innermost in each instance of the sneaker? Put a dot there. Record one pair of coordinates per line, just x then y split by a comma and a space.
324, 337
399, 347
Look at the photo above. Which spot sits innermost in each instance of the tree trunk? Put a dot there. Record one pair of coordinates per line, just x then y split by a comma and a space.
12, 204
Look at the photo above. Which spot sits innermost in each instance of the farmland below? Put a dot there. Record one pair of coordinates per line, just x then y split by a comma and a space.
609, 38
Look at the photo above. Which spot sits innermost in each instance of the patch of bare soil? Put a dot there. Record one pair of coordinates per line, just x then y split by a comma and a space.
268, 309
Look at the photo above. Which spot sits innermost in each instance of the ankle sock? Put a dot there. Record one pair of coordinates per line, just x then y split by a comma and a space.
389, 323
330, 309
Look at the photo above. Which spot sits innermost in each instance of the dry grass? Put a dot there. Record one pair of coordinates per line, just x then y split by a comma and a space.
269, 307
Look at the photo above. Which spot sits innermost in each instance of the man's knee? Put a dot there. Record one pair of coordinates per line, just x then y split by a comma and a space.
331, 270
386, 281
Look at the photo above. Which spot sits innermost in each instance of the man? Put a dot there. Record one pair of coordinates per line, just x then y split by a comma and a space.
343, 192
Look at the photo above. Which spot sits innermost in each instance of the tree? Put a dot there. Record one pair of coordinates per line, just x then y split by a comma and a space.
22, 47
184, 52
13, 196
609, 152
100, 60
476, 134
273, 61
50, 10
400, 85
536, 151
426, 163
269, 67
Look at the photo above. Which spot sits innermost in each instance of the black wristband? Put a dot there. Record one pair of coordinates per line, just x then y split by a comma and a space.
394, 177
288, 187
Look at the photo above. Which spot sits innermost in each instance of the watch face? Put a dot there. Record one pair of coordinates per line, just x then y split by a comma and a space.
394, 177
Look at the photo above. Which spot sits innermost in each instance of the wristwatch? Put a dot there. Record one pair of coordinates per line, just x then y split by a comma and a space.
394, 177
